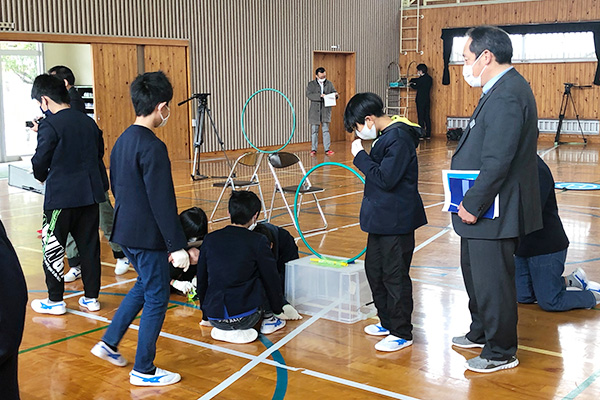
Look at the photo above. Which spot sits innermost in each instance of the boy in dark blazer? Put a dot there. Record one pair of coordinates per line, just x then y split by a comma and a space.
69, 154
238, 283
147, 227
391, 211
500, 142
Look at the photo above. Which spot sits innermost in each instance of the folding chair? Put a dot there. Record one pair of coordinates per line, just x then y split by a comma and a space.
281, 161
252, 160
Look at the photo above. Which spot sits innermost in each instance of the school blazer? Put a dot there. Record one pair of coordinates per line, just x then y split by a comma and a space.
68, 158
500, 141
145, 206
391, 202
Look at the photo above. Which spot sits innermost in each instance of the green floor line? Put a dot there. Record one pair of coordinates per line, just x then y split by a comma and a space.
76, 335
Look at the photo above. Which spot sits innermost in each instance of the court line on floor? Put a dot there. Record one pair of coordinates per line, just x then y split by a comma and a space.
580, 388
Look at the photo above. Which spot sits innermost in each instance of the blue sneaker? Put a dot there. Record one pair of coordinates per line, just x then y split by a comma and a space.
89, 303
392, 343
271, 325
45, 306
376, 330
160, 377
101, 350
577, 279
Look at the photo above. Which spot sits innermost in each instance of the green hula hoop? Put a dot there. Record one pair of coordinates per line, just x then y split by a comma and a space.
296, 206
293, 122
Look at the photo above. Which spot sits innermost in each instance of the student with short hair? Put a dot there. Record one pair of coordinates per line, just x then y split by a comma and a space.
65, 74
238, 279
147, 227
195, 227
69, 154
391, 211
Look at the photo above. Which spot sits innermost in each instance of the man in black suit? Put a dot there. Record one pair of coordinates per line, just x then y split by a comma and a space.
423, 86
13, 301
68, 155
390, 213
65, 73
500, 142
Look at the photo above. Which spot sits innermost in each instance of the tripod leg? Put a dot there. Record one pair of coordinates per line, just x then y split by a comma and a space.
561, 117
218, 137
578, 121
198, 140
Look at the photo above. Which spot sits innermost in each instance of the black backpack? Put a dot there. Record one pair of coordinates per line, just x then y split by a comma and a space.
454, 134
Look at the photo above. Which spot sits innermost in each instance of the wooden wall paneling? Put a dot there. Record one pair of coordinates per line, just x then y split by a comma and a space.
115, 66
173, 62
458, 99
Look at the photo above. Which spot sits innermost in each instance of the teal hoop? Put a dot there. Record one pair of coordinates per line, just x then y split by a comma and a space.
293, 122
296, 206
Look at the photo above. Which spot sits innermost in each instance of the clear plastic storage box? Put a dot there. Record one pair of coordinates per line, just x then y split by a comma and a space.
339, 293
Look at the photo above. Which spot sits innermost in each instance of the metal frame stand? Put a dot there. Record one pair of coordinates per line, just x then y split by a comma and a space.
561, 116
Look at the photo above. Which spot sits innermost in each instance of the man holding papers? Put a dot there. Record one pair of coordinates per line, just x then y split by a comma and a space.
499, 143
322, 96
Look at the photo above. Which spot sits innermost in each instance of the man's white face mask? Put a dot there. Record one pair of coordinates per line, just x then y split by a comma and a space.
164, 119
473, 81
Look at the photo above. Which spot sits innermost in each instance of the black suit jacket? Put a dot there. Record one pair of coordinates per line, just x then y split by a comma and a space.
423, 86
501, 142
391, 203
145, 206
68, 157
13, 299
77, 102
235, 269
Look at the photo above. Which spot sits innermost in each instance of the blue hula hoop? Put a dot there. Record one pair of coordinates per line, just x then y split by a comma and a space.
293, 122
296, 206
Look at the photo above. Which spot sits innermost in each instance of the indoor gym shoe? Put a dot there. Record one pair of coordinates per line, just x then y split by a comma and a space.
479, 364
90, 304
45, 306
122, 266
329, 152
376, 330
594, 287
270, 325
462, 341
101, 350
392, 343
577, 279
73, 274
239, 336
161, 377
313, 153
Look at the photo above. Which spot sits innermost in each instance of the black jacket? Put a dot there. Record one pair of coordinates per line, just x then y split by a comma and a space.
391, 203
145, 206
423, 86
68, 158
235, 269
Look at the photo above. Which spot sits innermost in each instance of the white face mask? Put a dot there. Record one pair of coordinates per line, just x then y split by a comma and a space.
165, 119
251, 227
468, 74
367, 133
321, 80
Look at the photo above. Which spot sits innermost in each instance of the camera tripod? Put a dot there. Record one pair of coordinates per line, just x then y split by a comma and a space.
201, 111
567, 96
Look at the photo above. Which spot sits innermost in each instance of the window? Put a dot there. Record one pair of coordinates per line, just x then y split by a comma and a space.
541, 47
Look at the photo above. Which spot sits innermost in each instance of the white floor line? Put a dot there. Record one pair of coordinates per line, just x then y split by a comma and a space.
439, 203
431, 239
101, 287
246, 368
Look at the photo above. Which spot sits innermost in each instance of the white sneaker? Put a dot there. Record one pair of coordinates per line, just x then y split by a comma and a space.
161, 377
122, 266
73, 274
271, 325
594, 287
239, 336
90, 304
577, 279
392, 343
45, 306
376, 330
205, 323
101, 350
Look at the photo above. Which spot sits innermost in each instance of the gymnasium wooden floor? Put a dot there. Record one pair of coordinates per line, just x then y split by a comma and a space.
316, 358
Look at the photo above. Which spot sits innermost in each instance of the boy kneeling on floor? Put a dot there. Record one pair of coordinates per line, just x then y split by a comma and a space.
238, 282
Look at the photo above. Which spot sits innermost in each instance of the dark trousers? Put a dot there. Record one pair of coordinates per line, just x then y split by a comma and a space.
387, 264
9, 386
424, 116
488, 269
82, 224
